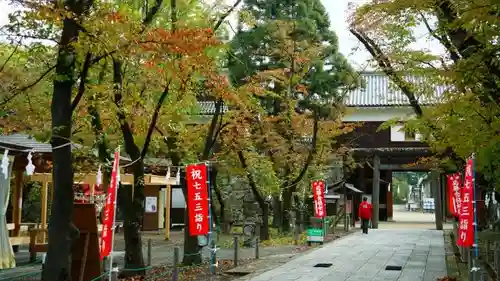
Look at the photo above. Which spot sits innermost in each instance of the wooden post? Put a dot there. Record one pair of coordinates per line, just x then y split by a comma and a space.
92, 193
390, 192
168, 199
346, 225
17, 201
375, 190
44, 195
436, 189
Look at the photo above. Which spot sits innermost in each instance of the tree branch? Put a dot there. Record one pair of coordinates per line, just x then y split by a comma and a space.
253, 186
386, 66
442, 39
83, 80
154, 119
27, 87
130, 146
292, 185
10, 56
226, 14
465, 42
209, 139
152, 13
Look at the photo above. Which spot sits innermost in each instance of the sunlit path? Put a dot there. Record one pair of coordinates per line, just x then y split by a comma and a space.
420, 254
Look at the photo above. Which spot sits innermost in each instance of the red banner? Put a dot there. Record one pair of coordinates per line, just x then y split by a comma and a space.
109, 211
319, 198
197, 193
454, 194
466, 218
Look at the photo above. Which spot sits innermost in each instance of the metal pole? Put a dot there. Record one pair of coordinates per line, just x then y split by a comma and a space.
475, 246
150, 245
212, 244
114, 215
210, 236
175, 272
235, 261
114, 272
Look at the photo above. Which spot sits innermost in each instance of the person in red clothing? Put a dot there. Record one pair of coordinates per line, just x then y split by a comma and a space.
365, 214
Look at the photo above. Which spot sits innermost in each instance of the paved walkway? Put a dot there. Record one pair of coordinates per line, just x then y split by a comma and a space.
359, 257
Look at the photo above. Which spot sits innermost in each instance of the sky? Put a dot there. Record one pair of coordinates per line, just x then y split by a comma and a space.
348, 44
337, 11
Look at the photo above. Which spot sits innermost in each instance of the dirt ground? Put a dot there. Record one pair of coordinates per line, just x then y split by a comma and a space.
162, 253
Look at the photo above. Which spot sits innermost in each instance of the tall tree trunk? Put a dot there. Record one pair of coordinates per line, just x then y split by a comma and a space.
290, 187
133, 202
264, 230
216, 218
287, 209
277, 213
61, 230
192, 251
218, 194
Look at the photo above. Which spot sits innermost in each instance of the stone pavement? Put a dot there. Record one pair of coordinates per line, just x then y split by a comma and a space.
358, 257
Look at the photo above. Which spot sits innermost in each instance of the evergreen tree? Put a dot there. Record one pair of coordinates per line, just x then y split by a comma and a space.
311, 24
280, 35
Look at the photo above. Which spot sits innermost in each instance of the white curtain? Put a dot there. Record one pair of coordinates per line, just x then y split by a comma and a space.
7, 258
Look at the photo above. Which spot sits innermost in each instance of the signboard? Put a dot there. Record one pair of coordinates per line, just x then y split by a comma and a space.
151, 205
348, 207
197, 193
318, 187
315, 235
109, 210
466, 217
454, 194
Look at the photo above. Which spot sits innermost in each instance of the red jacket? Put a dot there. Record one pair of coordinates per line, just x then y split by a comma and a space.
365, 210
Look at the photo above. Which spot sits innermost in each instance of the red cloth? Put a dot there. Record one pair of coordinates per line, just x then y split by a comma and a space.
365, 210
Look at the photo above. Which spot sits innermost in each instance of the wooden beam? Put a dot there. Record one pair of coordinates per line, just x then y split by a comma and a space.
17, 201
44, 195
92, 192
436, 189
403, 167
91, 179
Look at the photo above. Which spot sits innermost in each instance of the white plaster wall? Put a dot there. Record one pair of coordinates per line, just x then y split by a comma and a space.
377, 114
382, 114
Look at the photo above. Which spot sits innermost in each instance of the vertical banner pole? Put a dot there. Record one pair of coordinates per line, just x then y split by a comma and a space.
474, 187
210, 221
117, 156
475, 268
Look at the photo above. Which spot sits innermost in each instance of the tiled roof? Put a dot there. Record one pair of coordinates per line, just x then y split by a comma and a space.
380, 91
208, 108
27, 142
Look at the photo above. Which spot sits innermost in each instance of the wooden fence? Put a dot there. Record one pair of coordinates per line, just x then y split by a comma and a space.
489, 255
